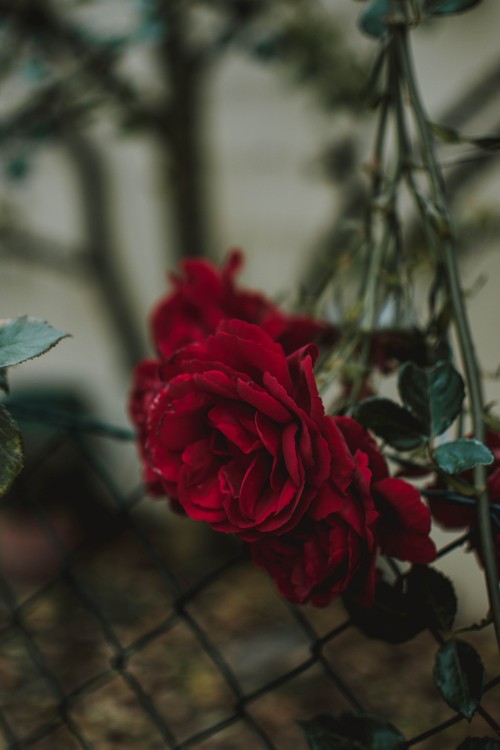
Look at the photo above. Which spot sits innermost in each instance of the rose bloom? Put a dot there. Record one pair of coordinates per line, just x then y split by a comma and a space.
204, 295
238, 437
335, 547
238, 434
318, 562
321, 558
456, 515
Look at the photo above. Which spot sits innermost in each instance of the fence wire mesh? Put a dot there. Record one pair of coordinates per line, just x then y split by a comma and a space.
120, 627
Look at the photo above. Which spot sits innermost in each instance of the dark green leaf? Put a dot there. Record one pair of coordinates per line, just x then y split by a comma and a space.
351, 732
445, 134
391, 422
433, 395
320, 736
11, 450
25, 338
459, 676
488, 143
432, 594
462, 454
449, 135
391, 618
479, 743
373, 19
448, 7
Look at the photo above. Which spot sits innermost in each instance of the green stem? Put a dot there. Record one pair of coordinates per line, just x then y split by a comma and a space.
466, 344
379, 247
375, 249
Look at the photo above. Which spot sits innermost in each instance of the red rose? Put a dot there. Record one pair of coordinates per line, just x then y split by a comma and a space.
317, 562
203, 296
334, 548
235, 432
238, 434
331, 550
404, 521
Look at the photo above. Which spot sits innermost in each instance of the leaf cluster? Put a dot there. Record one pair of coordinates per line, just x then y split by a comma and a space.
423, 598
432, 398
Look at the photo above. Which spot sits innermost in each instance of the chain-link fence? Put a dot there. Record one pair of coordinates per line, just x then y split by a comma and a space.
123, 625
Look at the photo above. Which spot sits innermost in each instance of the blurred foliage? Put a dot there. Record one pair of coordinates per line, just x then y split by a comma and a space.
69, 66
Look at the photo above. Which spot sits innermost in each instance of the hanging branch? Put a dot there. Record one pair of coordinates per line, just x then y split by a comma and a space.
92, 183
446, 243
383, 250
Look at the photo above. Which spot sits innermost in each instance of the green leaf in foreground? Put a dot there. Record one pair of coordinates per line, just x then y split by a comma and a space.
462, 454
351, 732
11, 450
459, 676
25, 338
391, 422
479, 743
433, 395
448, 7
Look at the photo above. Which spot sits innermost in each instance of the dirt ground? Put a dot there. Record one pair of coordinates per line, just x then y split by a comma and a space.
137, 667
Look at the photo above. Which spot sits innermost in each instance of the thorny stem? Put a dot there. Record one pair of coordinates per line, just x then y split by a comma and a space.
466, 344
375, 248
378, 247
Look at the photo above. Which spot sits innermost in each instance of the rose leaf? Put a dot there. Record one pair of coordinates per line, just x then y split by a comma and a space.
11, 450
459, 676
462, 454
24, 338
450, 135
433, 395
351, 732
432, 593
391, 617
391, 422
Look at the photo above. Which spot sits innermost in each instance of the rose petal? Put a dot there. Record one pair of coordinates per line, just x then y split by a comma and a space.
357, 438
290, 453
263, 401
229, 422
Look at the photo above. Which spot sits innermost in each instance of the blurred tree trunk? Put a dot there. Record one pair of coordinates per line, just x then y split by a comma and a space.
180, 131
